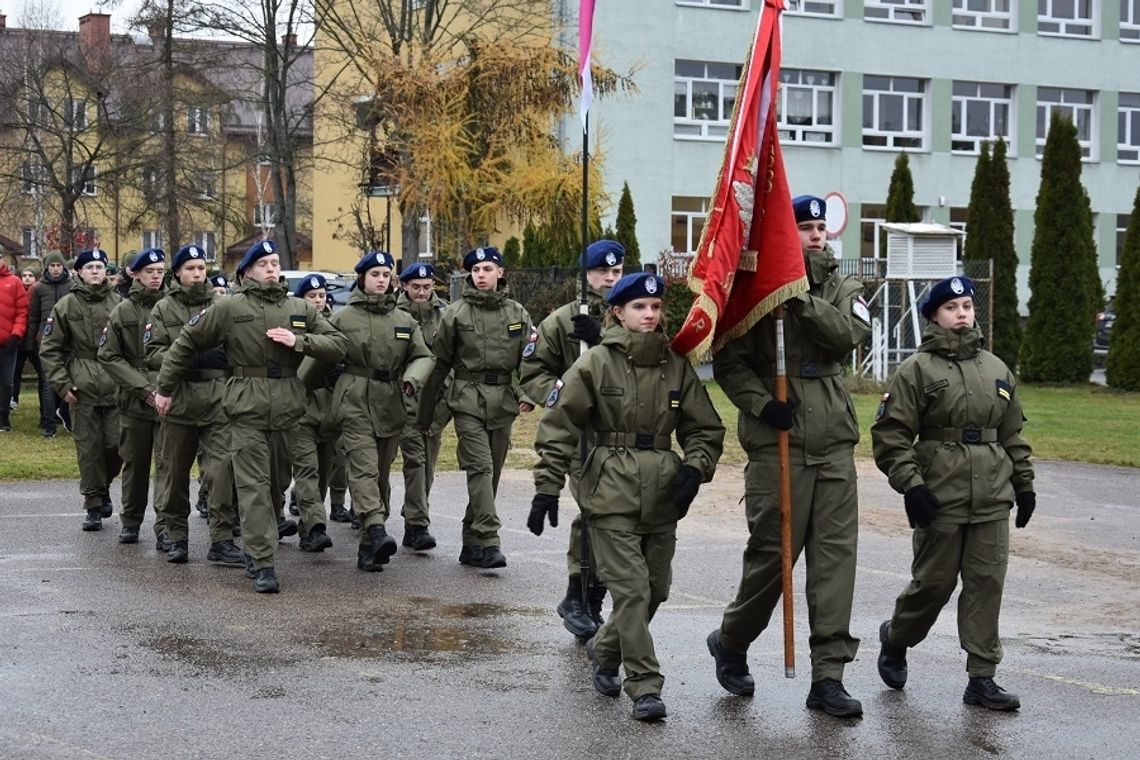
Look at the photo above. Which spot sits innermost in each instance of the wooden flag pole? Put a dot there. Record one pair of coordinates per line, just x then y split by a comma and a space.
783, 450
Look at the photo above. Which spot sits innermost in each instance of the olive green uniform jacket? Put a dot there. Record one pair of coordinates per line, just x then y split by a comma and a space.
428, 315
950, 386
123, 353
480, 337
550, 351
821, 328
70, 340
196, 401
630, 385
239, 323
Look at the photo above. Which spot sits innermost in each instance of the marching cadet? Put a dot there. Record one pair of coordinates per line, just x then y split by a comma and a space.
219, 284
315, 438
420, 451
195, 421
265, 332
481, 337
948, 436
631, 393
821, 327
549, 353
70, 339
386, 360
121, 349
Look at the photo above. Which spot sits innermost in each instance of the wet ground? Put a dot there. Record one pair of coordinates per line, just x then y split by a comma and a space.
110, 652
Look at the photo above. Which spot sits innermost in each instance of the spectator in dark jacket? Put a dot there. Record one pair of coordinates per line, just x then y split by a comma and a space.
53, 285
28, 351
13, 325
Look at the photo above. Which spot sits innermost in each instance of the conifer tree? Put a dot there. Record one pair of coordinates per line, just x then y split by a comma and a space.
534, 252
512, 253
900, 194
1058, 338
1006, 319
626, 232
1122, 367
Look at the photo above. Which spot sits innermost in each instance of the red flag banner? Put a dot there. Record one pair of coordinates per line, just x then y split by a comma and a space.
749, 259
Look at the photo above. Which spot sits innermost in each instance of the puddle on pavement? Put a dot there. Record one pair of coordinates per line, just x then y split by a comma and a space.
419, 629
221, 657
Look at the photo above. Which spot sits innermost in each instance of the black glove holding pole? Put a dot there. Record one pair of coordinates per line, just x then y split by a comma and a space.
921, 506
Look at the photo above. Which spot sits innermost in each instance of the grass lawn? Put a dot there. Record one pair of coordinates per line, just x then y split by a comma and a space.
1081, 423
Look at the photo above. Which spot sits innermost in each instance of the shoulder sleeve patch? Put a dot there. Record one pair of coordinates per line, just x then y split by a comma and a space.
555, 392
1004, 390
103, 336
194, 319
886, 399
48, 326
146, 332
531, 344
860, 309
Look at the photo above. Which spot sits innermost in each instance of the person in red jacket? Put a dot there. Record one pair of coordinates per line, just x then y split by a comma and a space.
13, 325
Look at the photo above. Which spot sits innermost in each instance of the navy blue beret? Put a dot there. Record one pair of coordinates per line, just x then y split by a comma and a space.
946, 290
417, 272
374, 259
636, 285
808, 208
310, 282
147, 257
187, 253
480, 255
86, 257
256, 251
604, 254
219, 281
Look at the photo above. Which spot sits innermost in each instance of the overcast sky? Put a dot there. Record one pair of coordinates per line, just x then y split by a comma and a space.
66, 13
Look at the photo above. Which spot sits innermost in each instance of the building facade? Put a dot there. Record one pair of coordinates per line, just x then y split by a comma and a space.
862, 81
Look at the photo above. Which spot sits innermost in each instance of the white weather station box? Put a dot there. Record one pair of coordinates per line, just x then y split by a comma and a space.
921, 251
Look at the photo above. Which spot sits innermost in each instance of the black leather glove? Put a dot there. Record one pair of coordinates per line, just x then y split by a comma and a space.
779, 414
921, 506
542, 505
214, 358
1026, 503
685, 485
332, 375
586, 329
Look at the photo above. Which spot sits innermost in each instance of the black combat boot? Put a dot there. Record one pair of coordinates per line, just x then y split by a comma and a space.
892, 659
129, 534
107, 508
316, 540
293, 508
607, 682
575, 619
162, 543
339, 514
471, 555
179, 553
93, 521
225, 553
265, 581
731, 668
286, 528
830, 696
983, 691
202, 506
417, 538
493, 558
374, 555
648, 707
597, 596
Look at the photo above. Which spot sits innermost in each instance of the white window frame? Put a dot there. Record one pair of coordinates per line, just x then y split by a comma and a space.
151, 239
726, 5
32, 176
791, 80
89, 176
1127, 120
197, 121
896, 139
1130, 21
205, 185
31, 242
265, 213
689, 126
76, 114
1081, 27
694, 220
824, 8
873, 222
989, 20
1071, 108
915, 12
207, 241
959, 108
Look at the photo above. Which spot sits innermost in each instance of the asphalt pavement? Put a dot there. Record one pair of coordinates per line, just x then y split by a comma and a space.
108, 651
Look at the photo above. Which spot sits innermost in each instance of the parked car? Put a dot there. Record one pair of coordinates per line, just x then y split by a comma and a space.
1104, 321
